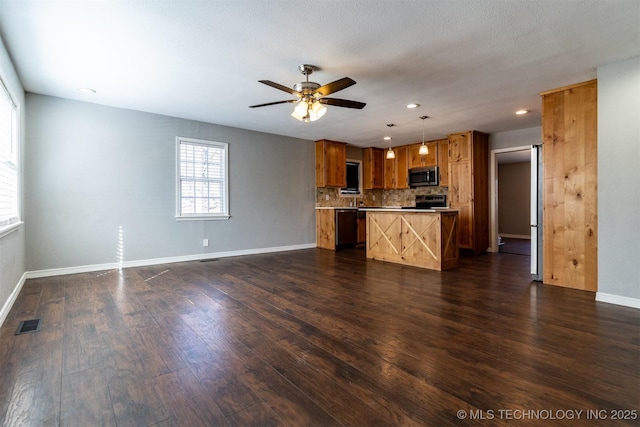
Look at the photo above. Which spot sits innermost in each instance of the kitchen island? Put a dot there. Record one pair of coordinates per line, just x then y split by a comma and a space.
426, 238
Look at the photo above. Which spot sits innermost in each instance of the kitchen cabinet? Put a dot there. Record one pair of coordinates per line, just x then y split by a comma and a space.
443, 162
396, 171
331, 163
418, 161
372, 168
413, 237
336, 227
468, 187
570, 186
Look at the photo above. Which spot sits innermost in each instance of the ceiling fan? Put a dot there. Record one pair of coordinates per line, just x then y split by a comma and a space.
311, 97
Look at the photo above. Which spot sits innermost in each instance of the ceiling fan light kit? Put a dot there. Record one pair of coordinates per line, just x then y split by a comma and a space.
311, 97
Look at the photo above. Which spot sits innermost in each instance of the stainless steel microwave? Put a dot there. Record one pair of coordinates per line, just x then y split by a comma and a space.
427, 176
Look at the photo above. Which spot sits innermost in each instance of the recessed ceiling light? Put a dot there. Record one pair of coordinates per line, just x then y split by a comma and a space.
387, 138
412, 105
521, 112
86, 90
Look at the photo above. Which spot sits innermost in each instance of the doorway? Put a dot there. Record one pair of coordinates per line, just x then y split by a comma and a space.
510, 203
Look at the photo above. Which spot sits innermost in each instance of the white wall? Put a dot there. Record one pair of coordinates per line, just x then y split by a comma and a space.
93, 169
12, 246
619, 182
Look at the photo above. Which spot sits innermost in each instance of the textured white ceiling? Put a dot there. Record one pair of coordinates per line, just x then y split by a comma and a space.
470, 64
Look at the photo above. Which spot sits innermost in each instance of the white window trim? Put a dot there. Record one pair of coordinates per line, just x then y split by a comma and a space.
201, 217
9, 228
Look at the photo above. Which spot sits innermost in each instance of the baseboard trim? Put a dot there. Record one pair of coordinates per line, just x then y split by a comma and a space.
618, 300
517, 236
145, 262
12, 298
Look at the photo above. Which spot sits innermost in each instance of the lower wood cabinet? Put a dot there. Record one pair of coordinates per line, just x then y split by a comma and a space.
336, 227
326, 228
421, 239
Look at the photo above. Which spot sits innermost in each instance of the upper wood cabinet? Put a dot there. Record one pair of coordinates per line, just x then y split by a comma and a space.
570, 186
331, 163
372, 168
396, 171
443, 162
469, 187
417, 161
460, 145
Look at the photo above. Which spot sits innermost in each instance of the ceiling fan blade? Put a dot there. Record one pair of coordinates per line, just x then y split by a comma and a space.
279, 86
342, 103
274, 103
332, 87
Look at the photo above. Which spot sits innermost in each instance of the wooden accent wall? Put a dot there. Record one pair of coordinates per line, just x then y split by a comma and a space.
570, 238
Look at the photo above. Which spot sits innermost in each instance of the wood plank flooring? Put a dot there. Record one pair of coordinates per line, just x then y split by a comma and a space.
317, 338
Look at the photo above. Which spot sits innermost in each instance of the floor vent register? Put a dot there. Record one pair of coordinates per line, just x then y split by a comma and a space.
28, 326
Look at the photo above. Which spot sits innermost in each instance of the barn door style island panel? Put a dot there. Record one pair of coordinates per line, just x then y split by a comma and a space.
417, 237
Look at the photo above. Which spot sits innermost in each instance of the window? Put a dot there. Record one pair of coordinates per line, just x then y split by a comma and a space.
202, 179
8, 159
353, 178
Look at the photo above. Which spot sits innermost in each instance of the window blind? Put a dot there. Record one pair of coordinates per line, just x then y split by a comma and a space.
202, 183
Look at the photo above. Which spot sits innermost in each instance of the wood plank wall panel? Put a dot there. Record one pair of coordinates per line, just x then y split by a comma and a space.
569, 124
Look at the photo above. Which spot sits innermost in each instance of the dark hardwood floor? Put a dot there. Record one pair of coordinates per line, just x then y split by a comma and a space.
317, 338
516, 246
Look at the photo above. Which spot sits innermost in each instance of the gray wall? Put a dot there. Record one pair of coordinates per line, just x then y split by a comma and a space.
93, 169
619, 179
514, 199
12, 246
515, 138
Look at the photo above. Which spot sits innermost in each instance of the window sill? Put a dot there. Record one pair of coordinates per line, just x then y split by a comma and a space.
203, 218
10, 228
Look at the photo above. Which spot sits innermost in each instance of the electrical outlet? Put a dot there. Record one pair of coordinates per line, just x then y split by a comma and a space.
326, 197
205, 242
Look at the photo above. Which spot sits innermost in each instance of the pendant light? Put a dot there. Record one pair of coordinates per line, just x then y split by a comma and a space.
390, 153
424, 150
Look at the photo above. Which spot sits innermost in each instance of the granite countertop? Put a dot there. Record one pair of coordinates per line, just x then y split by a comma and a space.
406, 210
387, 208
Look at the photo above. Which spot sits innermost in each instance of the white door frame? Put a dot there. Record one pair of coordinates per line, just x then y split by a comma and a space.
493, 193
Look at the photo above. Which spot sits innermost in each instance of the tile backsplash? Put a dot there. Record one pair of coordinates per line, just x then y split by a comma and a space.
327, 196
